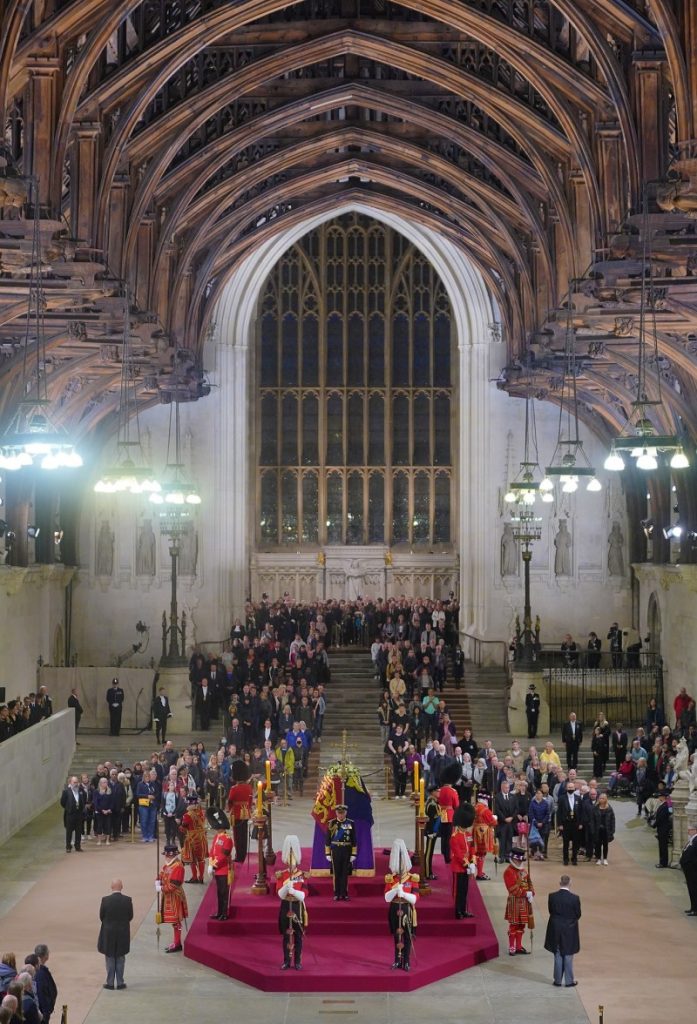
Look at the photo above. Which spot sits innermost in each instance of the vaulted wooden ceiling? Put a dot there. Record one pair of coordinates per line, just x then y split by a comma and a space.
171, 137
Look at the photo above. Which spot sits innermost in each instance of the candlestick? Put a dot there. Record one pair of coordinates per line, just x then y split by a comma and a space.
268, 776
260, 799
416, 776
422, 798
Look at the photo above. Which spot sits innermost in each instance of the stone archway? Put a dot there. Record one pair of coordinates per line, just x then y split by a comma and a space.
653, 624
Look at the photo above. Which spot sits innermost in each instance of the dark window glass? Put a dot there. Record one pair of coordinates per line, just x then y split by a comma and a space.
400, 508
354, 511
268, 453
310, 430
289, 431
421, 522
441, 352
354, 436
376, 430
376, 351
289, 368
335, 351
310, 351
400, 430
355, 351
441, 513
441, 417
400, 351
310, 509
268, 520
335, 431
335, 510
269, 352
421, 376
376, 508
422, 431
289, 508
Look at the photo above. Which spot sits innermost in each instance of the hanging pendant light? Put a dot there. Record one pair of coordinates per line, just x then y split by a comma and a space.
32, 438
524, 489
177, 495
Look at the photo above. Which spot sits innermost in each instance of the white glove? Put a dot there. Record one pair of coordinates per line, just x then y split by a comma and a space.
400, 890
471, 869
329, 856
528, 896
211, 870
158, 886
353, 859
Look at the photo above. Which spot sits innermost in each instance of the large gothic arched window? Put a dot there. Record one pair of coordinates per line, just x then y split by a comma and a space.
355, 397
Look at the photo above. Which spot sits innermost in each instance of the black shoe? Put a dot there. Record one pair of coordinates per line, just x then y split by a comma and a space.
78, 849
298, 967
214, 917
459, 916
522, 952
661, 865
285, 967
467, 914
345, 899
190, 881
557, 984
691, 913
337, 898
406, 967
122, 986
108, 986
174, 949
566, 863
574, 863
396, 965
431, 878
572, 985
222, 917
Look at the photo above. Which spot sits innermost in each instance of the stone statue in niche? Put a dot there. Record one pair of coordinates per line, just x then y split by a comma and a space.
615, 551
509, 552
562, 547
188, 552
145, 551
354, 580
104, 561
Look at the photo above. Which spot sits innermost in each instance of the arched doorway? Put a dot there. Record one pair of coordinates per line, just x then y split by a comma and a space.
653, 623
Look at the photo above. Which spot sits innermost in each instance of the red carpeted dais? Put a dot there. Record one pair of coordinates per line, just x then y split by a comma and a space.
348, 946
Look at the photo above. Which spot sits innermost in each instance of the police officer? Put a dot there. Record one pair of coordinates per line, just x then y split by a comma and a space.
340, 849
114, 698
532, 710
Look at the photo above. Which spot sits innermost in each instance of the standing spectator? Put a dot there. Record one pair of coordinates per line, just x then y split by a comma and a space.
615, 637
146, 795
598, 751
46, 989
103, 804
569, 650
161, 713
594, 645
688, 863
8, 971
620, 742
458, 666
562, 938
654, 716
663, 825
204, 706
532, 710
114, 942
688, 719
73, 800
570, 822
504, 810
602, 822
30, 1008
572, 737
448, 800
74, 702
680, 704
540, 815
115, 698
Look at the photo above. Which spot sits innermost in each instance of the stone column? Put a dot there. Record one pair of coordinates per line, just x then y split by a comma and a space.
116, 227
584, 232
650, 112
612, 181
83, 180
40, 107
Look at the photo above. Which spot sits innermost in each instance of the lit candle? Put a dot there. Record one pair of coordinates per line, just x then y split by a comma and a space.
260, 799
416, 776
268, 776
422, 798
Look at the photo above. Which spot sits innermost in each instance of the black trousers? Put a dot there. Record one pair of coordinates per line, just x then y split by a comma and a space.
691, 882
429, 848
341, 865
662, 849
241, 834
446, 830
73, 827
402, 943
171, 828
115, 720
297, 953
161, 729
571, 756
532, 726
571, 837
223, 889
462, 881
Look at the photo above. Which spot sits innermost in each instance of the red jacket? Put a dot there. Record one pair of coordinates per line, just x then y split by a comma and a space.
221, 853
448, 800
461, 851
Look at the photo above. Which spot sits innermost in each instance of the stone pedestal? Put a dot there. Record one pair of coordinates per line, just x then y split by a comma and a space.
517, 722
178, 689
679, 797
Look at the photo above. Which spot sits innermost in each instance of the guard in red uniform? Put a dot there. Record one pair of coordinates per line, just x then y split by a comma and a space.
291, 889
239, 803
171, 896
519, 904
401, 893
483, 832
448, 800
220, 861
462, 857
195, 847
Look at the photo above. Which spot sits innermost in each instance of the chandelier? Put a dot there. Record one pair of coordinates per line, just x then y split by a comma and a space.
525, 487
32, 438
569, 460
177, 494
129, 474
639, 437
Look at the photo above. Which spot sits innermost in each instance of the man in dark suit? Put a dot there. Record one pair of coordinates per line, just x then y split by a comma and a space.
46, 988
160, 713
664, 825
74, 702
115, 698
505, 805
204, 704
620, 742
532, 710
73, 800
688, 863
572, 737
116, 914
562, 937
570, 822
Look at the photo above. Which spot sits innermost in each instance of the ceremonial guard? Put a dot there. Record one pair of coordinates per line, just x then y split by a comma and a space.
171, 896
220, 861
519, 904
291, 889
239, 802
401, 893
340, 849
431, 829
484, 837
448, 800
462, 857
195, 846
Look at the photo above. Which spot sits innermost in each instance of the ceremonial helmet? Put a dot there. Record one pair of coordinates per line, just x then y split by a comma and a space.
192, 798
291, 850
239, 771
517, 857
400, 861
451, 774
463, 816
171, 849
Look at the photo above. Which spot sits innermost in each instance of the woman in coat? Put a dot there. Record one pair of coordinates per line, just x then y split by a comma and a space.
103, 803
602, 827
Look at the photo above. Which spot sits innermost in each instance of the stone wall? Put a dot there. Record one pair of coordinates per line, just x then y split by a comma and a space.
32, 612
93, 683
33, 770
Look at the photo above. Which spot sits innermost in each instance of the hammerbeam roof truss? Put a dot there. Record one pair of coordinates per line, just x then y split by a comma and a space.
170, 137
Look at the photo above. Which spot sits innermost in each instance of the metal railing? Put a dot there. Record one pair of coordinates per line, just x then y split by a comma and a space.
550, 656
622, 693
474, 650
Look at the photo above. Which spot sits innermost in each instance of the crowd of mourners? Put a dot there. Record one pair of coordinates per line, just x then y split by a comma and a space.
21, 713
28, 992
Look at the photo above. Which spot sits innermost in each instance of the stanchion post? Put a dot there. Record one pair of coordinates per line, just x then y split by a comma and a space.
64, 1014
133, 826
601, 1014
